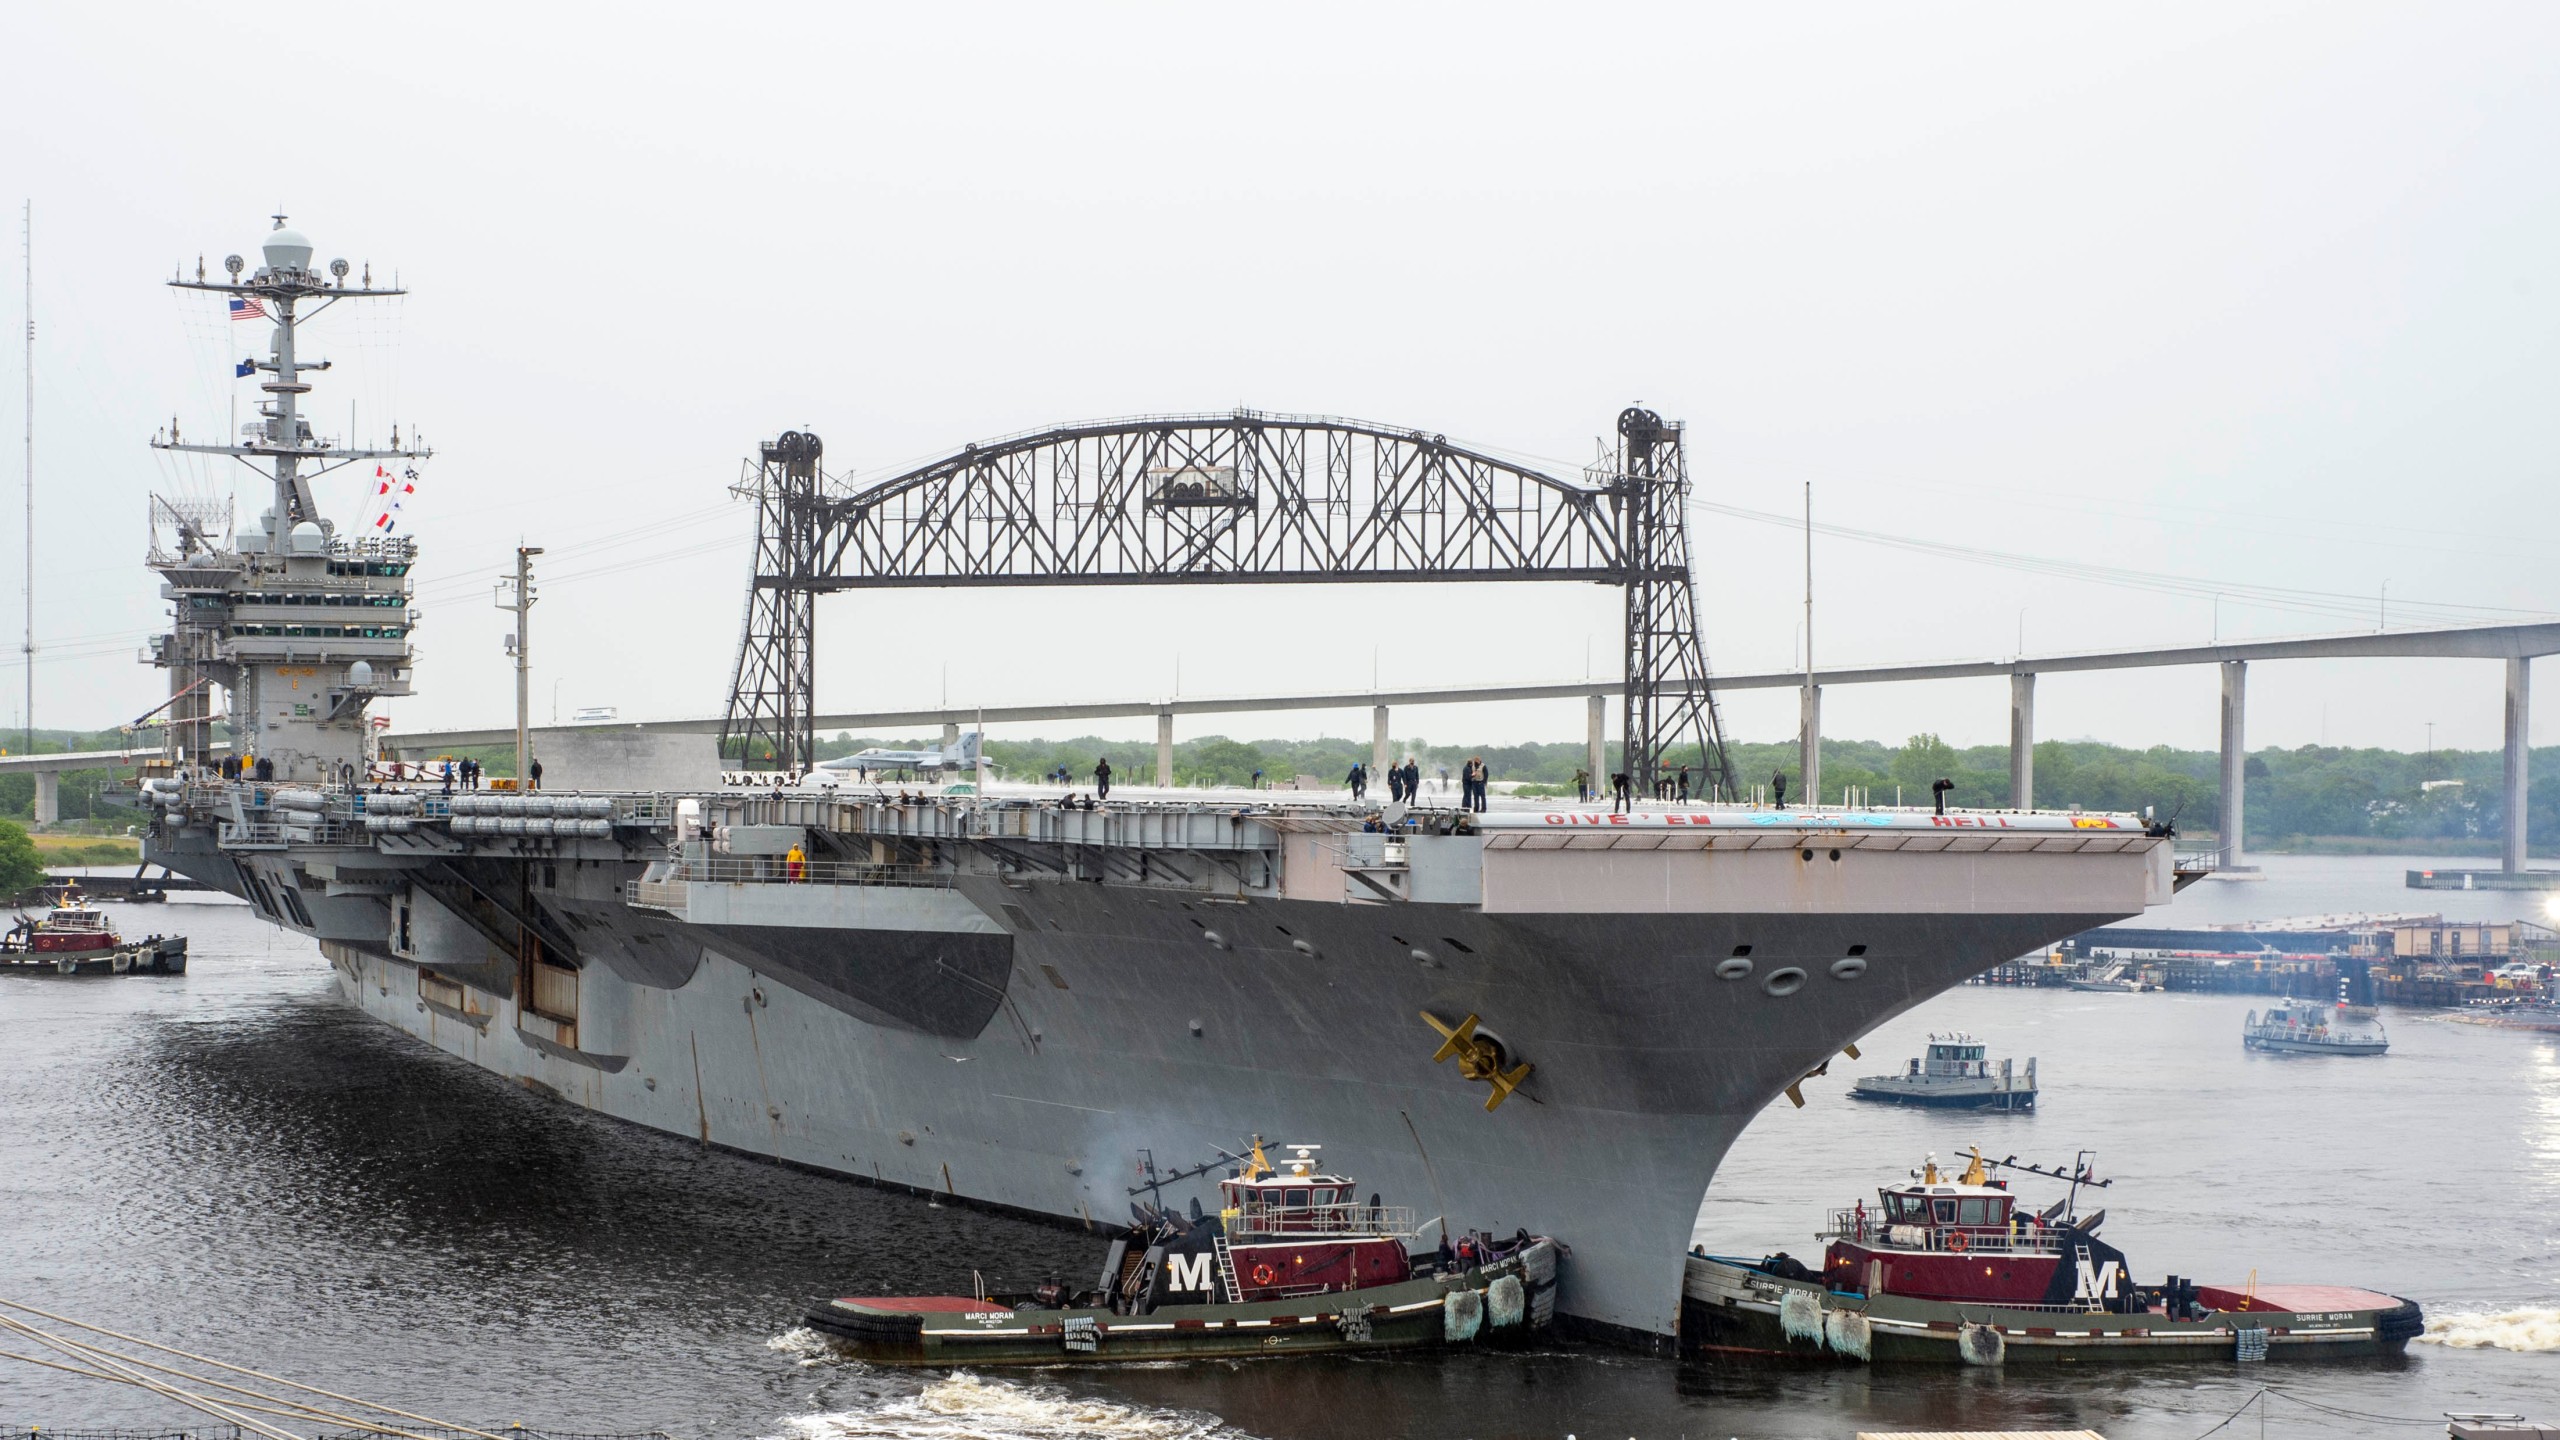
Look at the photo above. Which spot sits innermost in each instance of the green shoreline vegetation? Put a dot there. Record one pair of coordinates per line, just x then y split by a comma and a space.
2313, 799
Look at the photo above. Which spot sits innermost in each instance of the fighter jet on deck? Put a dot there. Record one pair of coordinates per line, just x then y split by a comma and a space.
876, 761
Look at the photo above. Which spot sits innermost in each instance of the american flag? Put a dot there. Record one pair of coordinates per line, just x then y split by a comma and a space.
252, 308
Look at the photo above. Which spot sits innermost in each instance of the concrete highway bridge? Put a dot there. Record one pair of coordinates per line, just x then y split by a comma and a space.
48, 771
654, 748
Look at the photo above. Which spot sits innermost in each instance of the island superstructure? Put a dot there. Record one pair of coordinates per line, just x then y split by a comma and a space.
300, 627
1555, 1018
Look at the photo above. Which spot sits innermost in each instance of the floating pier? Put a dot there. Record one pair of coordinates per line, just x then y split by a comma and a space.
2484, 880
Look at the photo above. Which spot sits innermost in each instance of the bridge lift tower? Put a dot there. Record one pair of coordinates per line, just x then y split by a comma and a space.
1245, 497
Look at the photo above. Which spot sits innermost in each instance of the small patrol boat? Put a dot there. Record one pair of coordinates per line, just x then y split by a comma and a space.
1955, 1269
74, 937
1293, 1262
1953, 1076
2307, 1029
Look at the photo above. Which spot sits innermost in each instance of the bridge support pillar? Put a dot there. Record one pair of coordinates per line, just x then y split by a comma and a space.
2511, 847
1164, 749
1378, 744
2022, 741
48, 796
1811, 745
2235, 762
950, 734
1596, 742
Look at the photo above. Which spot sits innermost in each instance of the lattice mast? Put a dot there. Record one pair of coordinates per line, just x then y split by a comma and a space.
1668, 696
300, 627
772, 697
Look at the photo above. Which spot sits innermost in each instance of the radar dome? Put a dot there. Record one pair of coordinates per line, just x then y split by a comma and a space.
308, 538
360, 673
287, 250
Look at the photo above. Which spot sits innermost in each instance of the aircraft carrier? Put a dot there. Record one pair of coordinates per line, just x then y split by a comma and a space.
1009, 1000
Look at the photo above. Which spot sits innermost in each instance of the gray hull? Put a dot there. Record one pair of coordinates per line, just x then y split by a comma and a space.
1944, 1095
1019, 1043
2281, 1045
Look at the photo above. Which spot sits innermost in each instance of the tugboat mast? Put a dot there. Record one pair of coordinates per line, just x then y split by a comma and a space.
301, 627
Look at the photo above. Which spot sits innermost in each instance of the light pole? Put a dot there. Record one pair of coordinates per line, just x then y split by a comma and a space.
517, 595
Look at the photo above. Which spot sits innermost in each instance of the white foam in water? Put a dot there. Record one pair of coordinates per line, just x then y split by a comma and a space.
964, 1407
803, 1344
2535, 1331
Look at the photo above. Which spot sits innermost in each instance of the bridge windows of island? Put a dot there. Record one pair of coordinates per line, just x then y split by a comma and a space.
319, 632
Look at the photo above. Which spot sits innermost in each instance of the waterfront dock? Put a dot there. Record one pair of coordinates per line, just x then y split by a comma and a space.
2484, 880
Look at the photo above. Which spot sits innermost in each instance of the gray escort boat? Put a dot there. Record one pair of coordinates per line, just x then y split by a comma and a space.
993, 997
2307, 1028
1953, 1076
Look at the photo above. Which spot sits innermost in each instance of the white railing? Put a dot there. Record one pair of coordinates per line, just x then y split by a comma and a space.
1337, 1220
777, 870
1871, 1229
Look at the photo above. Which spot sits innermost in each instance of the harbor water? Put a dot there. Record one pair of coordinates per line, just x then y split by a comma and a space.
233, 1162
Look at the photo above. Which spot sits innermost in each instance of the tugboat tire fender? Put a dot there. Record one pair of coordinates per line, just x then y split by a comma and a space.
1848, 1333
1461, 1315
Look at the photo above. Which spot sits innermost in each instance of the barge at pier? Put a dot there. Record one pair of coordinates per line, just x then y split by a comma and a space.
995, 998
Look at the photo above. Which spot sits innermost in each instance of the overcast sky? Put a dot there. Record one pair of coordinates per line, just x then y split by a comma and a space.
2249, 296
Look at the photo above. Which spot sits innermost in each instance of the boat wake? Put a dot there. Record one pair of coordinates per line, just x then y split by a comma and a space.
2531, 1331
804, 1345
962, 1406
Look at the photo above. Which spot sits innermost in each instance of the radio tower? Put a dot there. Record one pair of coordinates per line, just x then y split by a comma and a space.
27, 250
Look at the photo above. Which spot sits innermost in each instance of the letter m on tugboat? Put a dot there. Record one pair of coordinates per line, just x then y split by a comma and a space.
1188, 1273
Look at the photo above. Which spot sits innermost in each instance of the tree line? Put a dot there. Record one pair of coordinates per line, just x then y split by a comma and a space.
2312, 792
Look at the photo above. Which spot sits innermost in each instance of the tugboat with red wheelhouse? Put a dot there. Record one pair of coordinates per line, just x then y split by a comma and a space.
1293, 1261
1955, 1268
1300, 1232
1964, 1238
74, 937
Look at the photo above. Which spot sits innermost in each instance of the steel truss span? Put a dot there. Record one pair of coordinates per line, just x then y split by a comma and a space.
1245, 497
